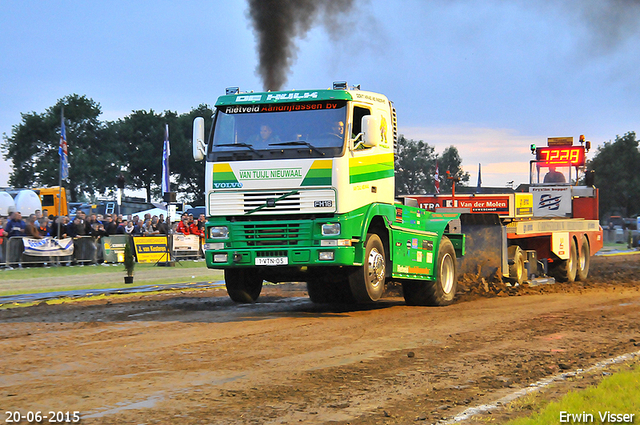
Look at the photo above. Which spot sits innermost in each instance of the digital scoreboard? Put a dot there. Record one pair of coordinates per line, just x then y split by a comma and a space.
561, 156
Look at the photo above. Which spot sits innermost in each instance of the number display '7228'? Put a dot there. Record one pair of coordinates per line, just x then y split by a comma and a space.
561, 156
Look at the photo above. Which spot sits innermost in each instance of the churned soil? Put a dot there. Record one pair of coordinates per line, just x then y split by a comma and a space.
193, 357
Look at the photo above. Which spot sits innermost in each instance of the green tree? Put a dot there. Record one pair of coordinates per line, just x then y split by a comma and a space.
141, 135
450, 161
616, 166
33, 148
188, 173
414, 166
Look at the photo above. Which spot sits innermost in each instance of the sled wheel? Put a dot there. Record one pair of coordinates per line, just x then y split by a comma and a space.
584, 260
566, 270
516, 270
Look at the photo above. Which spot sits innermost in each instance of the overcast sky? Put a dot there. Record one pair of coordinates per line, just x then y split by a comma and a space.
489, 77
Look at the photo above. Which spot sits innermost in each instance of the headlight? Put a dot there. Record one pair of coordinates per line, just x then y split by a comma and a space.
330, 229
219, 232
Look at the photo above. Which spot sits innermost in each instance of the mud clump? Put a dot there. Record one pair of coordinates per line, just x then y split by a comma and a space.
605, 272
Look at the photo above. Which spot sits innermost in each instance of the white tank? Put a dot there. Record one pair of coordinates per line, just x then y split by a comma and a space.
27, 202
7, 204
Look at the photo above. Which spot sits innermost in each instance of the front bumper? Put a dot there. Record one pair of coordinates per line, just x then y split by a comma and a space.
298, 257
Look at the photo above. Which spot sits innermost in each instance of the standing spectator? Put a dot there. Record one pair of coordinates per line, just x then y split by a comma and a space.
163, 226
148, 228
76, 227
201, 223
97, 230
185, 228
128, 227
44, 228
60, 223
121, 230
137, 226
110, 225
30, 229
15, 226
38, 217
2, 235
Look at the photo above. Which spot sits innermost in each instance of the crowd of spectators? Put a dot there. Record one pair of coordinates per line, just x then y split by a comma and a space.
37, 226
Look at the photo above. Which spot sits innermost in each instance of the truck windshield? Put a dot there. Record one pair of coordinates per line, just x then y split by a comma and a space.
279, 131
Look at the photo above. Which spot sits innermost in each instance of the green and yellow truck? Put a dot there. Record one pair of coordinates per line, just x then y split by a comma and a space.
300, 187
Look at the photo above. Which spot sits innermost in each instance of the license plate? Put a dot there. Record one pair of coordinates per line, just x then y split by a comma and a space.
272, 261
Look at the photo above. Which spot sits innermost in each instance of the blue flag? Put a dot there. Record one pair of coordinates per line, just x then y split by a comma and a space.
166, 152
63, 152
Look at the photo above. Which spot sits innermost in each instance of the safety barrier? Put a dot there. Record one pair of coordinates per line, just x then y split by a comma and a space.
622, 236
17, 251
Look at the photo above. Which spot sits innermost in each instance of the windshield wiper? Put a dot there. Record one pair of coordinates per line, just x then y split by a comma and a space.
241, 145
298, 143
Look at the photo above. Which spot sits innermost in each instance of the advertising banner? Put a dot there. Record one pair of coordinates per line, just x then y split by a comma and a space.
48, 247
113, 248
187, 245
151, 249
499, 204
551, 201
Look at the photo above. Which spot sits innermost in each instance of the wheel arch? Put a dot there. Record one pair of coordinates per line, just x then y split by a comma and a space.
378, 226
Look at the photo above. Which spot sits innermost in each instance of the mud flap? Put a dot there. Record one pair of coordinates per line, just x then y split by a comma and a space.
485, 246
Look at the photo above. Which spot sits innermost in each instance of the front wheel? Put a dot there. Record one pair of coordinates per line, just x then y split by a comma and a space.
243, 285
440, 292
367, 282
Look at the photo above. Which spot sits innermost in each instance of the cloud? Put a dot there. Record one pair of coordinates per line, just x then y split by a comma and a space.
503, 153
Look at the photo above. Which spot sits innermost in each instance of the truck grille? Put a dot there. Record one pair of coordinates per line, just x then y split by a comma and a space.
271, 234
230, 202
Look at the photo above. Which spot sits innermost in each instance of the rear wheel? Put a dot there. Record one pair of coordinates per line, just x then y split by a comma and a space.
243, 285
516, 264
367, 282
442, 291
584, 260
566, 270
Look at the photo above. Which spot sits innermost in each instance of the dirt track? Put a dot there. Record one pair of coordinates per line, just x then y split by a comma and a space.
197, 358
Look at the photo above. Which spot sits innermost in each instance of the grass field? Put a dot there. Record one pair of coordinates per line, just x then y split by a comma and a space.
618, 395
30, 280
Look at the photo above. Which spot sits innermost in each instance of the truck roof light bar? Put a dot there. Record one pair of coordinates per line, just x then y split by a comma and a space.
233, 90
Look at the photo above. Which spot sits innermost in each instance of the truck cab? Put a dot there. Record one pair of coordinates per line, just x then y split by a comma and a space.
300, 186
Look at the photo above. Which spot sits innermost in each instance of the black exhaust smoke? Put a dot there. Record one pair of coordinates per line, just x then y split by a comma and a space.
279, 23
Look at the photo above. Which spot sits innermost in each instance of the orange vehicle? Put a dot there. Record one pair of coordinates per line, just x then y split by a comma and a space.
53, 199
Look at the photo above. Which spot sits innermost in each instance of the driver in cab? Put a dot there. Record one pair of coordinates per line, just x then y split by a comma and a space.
265, 136
554, 176
337, 129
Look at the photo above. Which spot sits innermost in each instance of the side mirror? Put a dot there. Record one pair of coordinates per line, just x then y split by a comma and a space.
199, 148
371, 131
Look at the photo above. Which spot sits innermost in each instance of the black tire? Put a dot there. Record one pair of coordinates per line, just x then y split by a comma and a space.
566, 270
243, 285
440, 292
367, 281
584, 260
323, 290
516, 270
